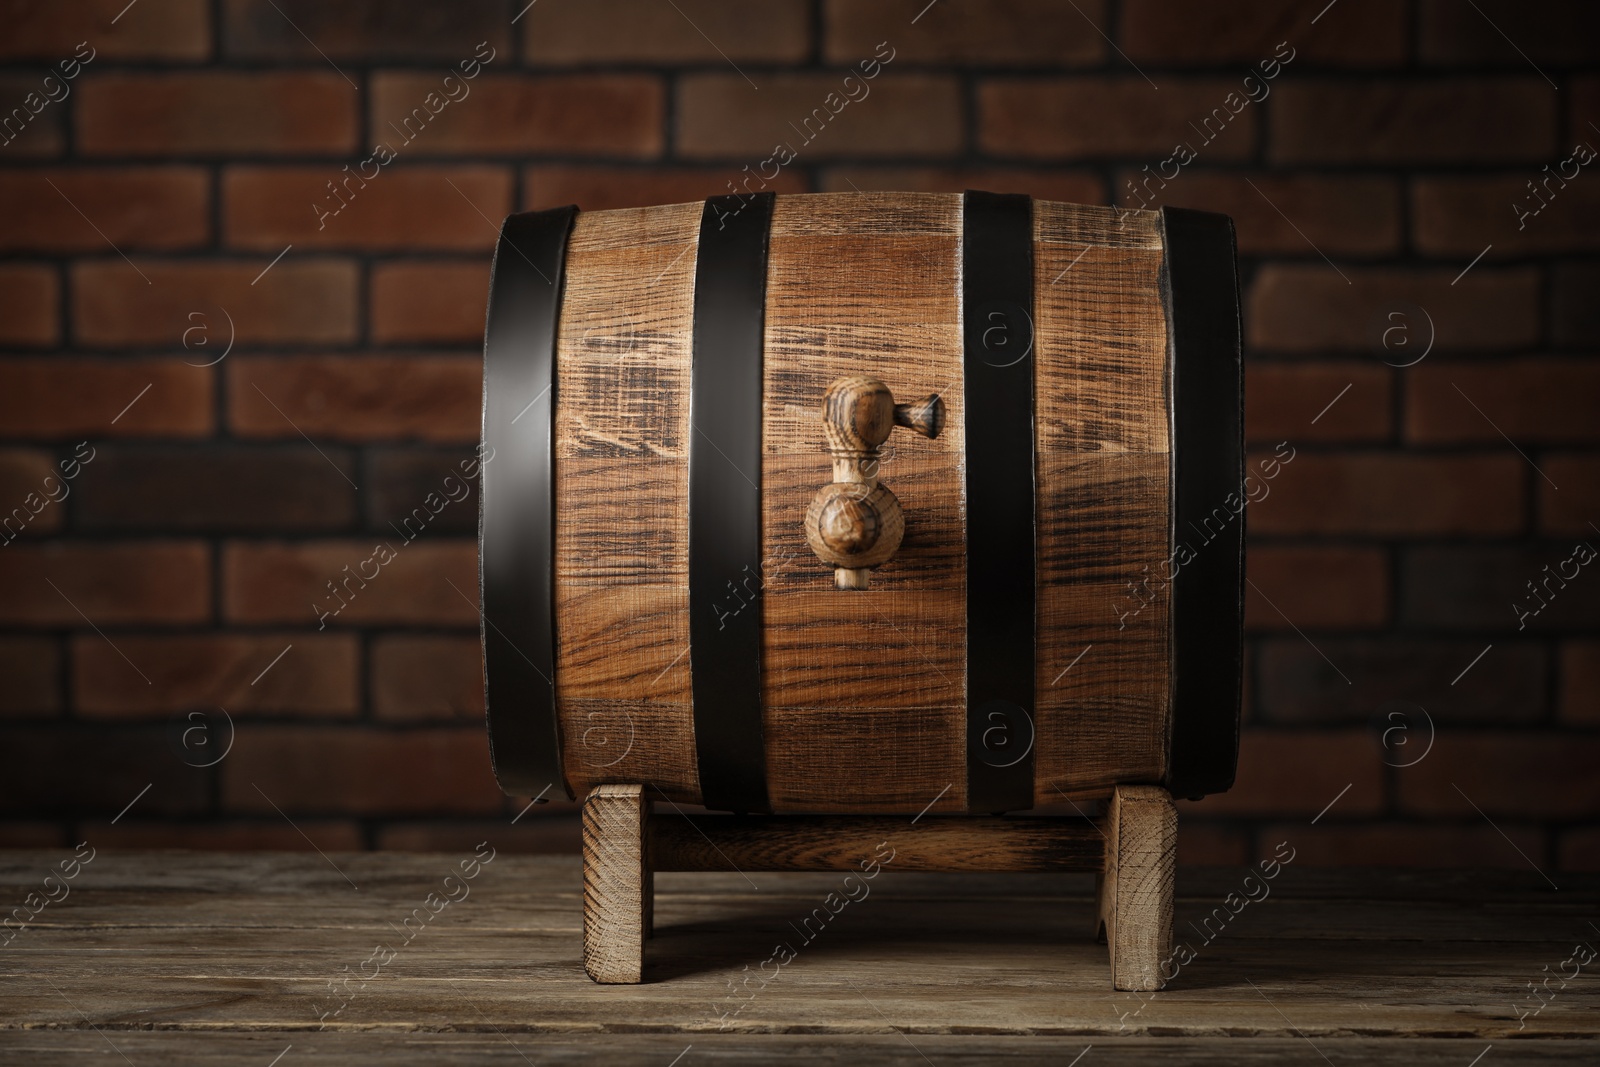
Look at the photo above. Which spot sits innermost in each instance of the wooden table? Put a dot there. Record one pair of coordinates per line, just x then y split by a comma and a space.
180, 958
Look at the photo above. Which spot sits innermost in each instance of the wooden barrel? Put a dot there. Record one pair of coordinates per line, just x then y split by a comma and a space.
1062, 613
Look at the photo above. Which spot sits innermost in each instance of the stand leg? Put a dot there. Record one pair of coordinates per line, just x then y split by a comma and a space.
616, 883
1137, 886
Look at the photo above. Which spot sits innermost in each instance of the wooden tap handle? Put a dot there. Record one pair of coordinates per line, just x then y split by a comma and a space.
925, 416
854, 523
858, 414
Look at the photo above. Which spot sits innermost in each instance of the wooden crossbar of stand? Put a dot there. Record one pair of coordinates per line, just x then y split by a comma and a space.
1131, 848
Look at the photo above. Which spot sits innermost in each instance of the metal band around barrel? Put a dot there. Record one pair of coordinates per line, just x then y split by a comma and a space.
998, 367
516, 519
1200, 288
726, 393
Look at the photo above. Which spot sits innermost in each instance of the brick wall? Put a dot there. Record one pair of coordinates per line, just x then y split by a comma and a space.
156, 201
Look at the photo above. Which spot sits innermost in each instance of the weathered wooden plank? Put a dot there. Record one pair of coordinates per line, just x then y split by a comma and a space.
378, 1049
185, 879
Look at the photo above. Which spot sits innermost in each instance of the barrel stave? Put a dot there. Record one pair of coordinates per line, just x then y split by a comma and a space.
622, 476
1102, 681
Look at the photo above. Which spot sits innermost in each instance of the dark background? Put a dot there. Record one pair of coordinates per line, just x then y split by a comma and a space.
138, 214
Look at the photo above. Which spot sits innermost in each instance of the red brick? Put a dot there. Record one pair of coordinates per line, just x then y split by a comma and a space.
999, 33
67, 397
1297, 685
364, 30
1079, 118
1557, 32
1483, 120
1393, 495
216, 113
604, 188
401, 209
1577, 503
1331, 844
151, 582
1579, 850
23, 474
151, 29
902, 114
1582, 107
1355, 33
578, 114
1288, 773
1282, 399
356, 398
1574, 313
30, 299
1073, 187
1317, 588
362, 770
289, 583
1459, 216
423, 302
1531, 400
1517, 774
399, 480
1486, 588
108, 775
82, 210
1579, 696
222, 487
30, 123
310, 301
31, 667
688, 31
318, 675
275, 835
1211, 844
1310, 307
427, 678
541, 834
1293, 215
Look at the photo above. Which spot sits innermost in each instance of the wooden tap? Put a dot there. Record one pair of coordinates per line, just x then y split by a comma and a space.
855, 523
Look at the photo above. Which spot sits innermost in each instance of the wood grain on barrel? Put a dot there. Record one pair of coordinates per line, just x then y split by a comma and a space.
864, 689
622, 480
1101, 683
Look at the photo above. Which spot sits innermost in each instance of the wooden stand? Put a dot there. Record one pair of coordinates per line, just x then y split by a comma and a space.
1131, 848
